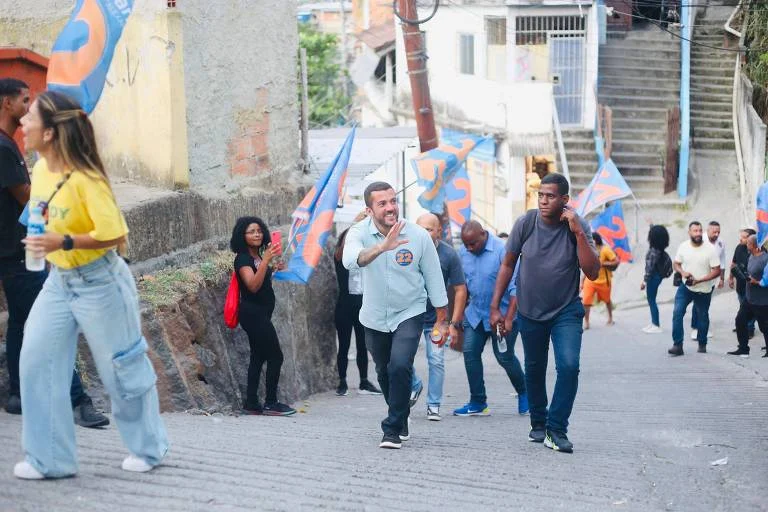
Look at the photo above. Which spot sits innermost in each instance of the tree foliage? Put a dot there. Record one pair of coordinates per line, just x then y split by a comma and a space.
328, 102
756, 39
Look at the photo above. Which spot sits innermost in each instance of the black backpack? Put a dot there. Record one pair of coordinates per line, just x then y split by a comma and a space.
664, 265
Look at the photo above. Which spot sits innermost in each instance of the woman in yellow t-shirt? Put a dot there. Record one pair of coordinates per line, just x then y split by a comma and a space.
90, 289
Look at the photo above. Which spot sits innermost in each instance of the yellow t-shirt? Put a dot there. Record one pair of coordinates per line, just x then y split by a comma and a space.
606, 255
83, 205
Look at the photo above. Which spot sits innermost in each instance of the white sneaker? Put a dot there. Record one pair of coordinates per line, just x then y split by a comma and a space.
136, 464
433, 413
25, 471
645, 329
694, 334
654, 329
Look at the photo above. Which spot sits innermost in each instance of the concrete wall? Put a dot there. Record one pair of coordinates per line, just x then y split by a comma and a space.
752, 135
241, 88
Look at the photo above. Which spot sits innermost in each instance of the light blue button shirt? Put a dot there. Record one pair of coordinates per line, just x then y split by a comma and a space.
481, 271
397, 282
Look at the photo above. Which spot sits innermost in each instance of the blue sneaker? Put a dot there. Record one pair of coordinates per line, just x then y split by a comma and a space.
522, 404
471, 409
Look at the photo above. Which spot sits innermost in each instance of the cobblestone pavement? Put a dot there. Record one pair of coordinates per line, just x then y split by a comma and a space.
646, 429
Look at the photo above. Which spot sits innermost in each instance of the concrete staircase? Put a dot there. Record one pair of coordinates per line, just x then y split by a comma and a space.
711, 84
639, 78
579, 148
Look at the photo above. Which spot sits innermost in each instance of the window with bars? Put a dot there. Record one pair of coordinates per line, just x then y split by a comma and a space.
496, 48
467, 54
171, 3
496, 30
533, 30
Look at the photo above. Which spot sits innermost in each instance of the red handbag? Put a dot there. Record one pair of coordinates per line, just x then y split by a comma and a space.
232, 302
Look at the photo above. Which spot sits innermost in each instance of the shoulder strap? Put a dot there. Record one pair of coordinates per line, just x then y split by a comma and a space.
529, 224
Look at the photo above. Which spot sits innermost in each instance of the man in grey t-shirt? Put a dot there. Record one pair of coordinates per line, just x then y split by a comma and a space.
755, 307
553, 243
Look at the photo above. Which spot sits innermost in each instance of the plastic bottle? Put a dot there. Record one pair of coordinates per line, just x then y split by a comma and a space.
35, 226
501, 340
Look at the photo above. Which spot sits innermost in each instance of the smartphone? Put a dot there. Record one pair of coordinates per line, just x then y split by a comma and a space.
277, 240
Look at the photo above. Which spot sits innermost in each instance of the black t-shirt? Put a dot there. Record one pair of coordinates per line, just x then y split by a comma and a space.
265, 297
740, 258
13, 172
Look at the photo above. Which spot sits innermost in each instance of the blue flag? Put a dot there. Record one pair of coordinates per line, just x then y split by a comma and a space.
610, 225
81, 56
313, 218
607, 185
762, 214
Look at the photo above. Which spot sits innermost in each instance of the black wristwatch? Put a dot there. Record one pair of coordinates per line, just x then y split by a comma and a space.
458, 325
68, 244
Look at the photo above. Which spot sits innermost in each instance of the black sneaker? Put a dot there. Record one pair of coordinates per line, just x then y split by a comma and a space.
253, 410
367, 388
739, 352
676, 350
14, 405
558, 441
87, 416
342, 390
405, 434
391, 441
537, 433
702, 348
415, 395
278, 409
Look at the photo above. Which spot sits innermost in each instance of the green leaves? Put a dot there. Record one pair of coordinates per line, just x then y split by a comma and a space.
328, 103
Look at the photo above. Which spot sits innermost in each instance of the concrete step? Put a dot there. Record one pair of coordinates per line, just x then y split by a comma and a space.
644, 72
706, 143
711, 63
710, 97
651, 45
578, 145
651, 34
698, 51
646, 159
611, 77
653, 147
639, 134
709, 106
705, 73
636, 101
630, 169
620, 61
628, 114
638, 51
640, 89
712, 133
704, 87
711, 122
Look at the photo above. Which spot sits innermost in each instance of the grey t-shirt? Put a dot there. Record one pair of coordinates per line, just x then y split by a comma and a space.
756, 294
549, 272
453, 275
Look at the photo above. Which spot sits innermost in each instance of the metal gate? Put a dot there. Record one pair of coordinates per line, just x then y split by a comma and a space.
566, 67
562, 41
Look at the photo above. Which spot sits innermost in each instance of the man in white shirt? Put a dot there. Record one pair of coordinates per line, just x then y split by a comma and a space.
697, 262
713, 235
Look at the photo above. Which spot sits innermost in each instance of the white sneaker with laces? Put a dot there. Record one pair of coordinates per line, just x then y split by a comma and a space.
645, 329
25, 471
433, 413
654, 329
136, 465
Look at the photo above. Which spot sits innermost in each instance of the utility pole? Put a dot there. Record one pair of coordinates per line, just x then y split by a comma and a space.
416, 56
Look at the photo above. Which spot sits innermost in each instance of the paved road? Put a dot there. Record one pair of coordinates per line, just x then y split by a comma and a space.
646, 428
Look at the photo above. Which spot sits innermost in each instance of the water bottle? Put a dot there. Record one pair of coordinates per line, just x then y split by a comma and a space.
500, 340
35, 226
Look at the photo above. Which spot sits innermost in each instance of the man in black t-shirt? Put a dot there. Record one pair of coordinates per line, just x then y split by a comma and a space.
739, 271
20, 285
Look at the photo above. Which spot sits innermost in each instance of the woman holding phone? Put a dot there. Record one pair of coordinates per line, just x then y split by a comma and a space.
250, 242
90, 289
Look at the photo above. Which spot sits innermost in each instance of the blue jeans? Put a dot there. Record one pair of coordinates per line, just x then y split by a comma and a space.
99, 299
21, 288
651, 290
436, 370
474, 343
393, 354
565, 329
701, 301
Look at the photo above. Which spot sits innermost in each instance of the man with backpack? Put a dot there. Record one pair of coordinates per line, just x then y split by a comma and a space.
602, 285
553, 244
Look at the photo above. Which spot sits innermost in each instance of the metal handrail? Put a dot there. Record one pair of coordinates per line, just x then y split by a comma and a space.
685, 98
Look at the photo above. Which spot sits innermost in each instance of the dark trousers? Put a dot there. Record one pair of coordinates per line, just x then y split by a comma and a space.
750, 313
393, 354
256, 320
701, 301
21, 288
565, 330
751, 324
348, 318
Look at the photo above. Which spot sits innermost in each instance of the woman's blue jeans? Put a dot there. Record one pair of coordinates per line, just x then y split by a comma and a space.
651, 290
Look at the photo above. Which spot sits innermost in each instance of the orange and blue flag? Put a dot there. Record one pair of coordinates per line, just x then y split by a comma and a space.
81, 56
458, 198
437, 167
762, 214
313, 218
607, 185
610, 225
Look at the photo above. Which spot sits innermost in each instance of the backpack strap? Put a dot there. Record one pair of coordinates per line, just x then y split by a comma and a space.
529, 224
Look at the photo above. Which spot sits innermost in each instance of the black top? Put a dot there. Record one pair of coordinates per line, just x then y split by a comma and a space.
342, 277
740, 259
13, 172
265, 297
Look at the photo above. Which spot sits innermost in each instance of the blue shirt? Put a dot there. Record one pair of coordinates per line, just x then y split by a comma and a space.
481, 271
395, 284
453, 275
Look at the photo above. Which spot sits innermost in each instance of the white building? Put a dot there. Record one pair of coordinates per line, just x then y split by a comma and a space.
498, 67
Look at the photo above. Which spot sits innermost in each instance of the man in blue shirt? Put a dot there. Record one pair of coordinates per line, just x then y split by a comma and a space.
481, 258
400, 268
453, 275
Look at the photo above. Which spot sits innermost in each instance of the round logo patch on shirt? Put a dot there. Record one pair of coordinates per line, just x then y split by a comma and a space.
404, 257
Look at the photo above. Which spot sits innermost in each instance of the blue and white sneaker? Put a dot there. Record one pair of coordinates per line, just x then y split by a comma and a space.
471, 409
522, 404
